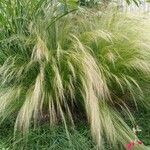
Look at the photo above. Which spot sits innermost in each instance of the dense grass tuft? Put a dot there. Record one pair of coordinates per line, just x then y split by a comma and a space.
55, 63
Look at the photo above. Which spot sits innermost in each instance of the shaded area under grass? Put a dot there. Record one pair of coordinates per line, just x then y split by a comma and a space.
44, 138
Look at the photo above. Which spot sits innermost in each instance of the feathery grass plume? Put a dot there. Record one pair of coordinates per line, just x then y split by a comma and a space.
44, 66
119, 42
47, 66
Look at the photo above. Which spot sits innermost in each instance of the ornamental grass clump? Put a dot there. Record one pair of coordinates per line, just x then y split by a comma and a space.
54, 62
45, 69
120, 44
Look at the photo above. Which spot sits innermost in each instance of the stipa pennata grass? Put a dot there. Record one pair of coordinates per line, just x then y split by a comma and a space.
48, 67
